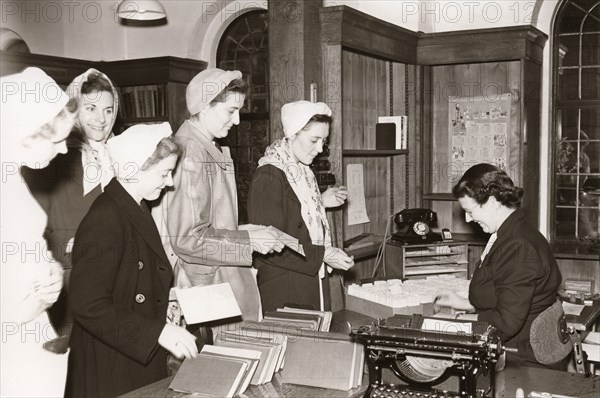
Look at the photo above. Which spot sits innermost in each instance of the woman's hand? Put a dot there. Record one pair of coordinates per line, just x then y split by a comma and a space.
48, 289
335, 196
178, 341
338, 259
451, 299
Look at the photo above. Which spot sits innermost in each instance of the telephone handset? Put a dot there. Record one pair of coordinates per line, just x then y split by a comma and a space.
414, 226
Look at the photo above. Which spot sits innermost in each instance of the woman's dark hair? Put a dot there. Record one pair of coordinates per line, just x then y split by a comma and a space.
96, 82
318, 118
484, 180
165, 148
237, 86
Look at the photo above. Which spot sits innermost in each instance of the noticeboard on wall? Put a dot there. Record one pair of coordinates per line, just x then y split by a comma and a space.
479, 131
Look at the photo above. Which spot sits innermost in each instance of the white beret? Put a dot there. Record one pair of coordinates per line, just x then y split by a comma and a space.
29, 100
295, 115
134, 146
206, 85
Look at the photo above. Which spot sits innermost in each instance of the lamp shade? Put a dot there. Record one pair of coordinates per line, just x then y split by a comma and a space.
140, 10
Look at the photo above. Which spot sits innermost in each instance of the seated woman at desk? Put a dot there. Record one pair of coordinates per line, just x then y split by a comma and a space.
284, 193
517, 277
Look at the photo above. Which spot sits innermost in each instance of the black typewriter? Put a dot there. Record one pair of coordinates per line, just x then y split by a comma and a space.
422, 359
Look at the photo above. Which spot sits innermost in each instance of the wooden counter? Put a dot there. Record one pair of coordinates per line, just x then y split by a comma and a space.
507, 382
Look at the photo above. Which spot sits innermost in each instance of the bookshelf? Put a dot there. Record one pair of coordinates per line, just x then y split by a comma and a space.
151, 90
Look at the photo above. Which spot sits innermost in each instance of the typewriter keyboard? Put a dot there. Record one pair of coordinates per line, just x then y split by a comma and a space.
401, 391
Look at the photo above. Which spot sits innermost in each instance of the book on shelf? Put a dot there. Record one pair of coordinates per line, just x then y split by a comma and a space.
401, 123
141, 102
210, 375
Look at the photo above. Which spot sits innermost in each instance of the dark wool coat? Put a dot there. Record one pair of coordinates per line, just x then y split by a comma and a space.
286, 277
119, 295
518, 279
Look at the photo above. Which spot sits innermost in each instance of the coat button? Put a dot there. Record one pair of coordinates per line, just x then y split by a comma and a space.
300, 225
140, 265
140, 298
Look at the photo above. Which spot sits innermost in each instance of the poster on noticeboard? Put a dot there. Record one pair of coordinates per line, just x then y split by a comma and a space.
479, 128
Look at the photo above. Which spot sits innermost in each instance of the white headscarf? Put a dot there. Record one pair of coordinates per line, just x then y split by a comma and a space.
295, 115
29, 100
132, 148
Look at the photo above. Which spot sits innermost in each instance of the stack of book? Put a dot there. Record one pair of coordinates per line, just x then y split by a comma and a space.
327, 360
269, 341
220, 373
251, 354
303, 319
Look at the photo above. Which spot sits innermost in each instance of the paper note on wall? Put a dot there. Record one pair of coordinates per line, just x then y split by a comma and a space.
357, 209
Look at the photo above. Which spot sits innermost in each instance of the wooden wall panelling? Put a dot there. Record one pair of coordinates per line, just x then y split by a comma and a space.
532, 72
333, 90
580, 269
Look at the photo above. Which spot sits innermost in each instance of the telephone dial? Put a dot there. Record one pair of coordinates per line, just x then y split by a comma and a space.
414, 226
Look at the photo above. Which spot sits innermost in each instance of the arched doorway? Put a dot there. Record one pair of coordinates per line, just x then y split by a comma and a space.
244, 46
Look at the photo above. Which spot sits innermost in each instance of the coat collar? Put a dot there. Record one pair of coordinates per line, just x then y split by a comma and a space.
139, 216
192, 132
504, 231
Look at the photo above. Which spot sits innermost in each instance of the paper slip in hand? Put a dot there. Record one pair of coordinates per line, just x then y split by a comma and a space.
287, 240
207, 303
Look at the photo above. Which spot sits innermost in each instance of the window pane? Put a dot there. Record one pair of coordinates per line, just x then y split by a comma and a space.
566, 190
590, 83
590, 123
589, 211
589, 53
592, 24
565, 223
571, 19
569, 84
570, 45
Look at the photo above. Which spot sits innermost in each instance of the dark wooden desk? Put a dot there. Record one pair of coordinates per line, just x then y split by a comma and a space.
507, 382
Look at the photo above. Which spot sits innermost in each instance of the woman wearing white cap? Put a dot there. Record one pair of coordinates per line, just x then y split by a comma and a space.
121, 275
201, 211
69, 185
284, 193
35, 126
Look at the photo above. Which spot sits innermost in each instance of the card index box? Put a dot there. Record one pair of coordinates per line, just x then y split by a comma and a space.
385, 136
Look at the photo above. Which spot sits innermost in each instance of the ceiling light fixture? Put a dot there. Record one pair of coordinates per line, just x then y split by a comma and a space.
140, 10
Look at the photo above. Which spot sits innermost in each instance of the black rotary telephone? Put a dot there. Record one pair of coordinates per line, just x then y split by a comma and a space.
414, 226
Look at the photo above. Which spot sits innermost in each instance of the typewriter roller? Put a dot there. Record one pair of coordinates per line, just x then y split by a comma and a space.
424, 358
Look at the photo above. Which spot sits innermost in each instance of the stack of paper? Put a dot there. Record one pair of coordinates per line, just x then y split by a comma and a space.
324, 317
209, 374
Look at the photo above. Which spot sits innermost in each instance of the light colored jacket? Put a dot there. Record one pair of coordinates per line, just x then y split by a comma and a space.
202, 220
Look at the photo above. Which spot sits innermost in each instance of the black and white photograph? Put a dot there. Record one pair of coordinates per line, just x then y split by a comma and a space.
180, 213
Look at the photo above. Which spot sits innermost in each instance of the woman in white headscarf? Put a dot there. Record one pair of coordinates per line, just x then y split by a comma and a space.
121, 275
69, 185
35, 126
284, 193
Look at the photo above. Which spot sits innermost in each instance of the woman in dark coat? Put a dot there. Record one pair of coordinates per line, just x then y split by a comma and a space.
284, 193
121, 276
517, 277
